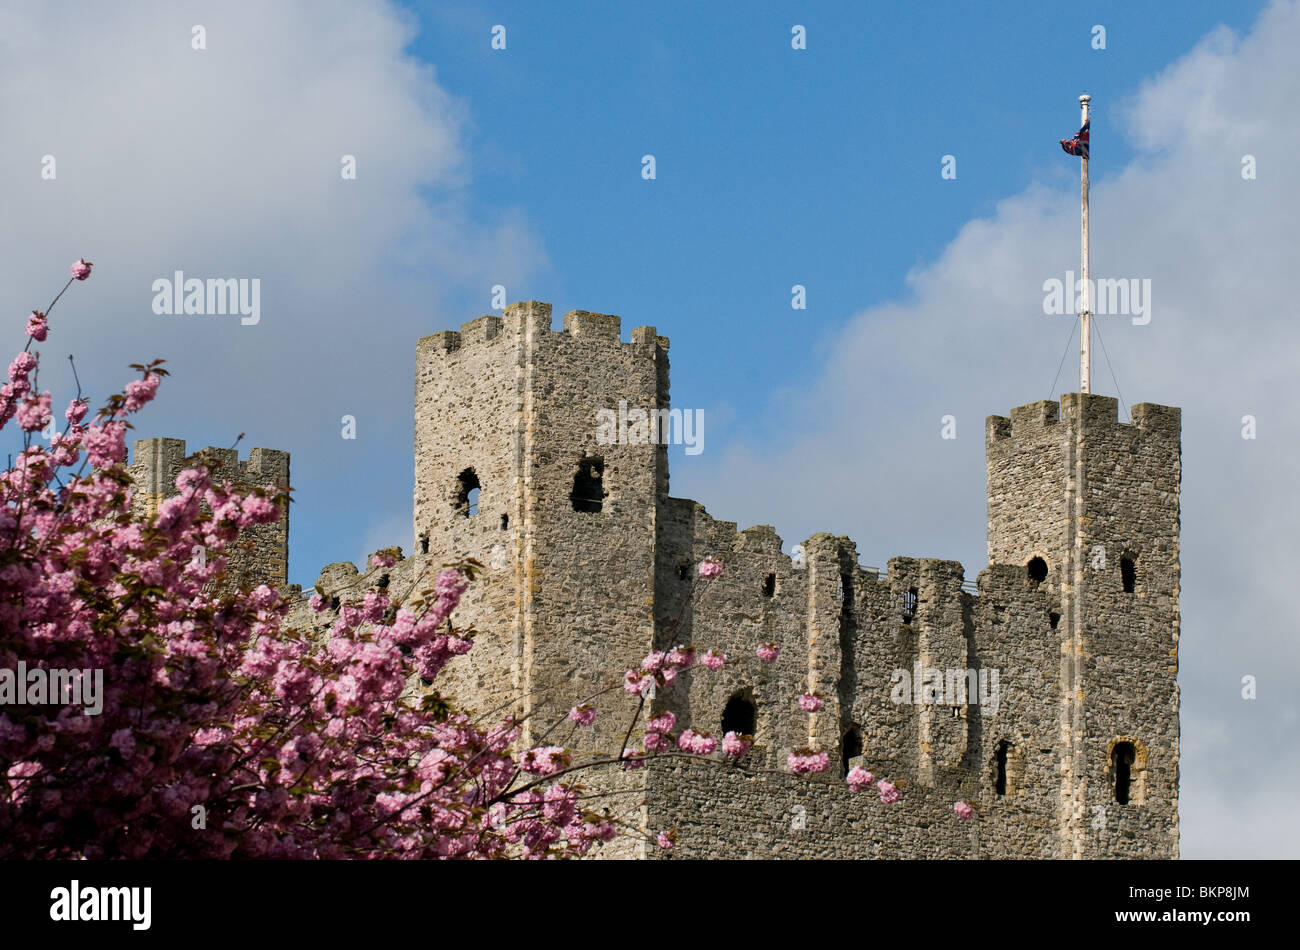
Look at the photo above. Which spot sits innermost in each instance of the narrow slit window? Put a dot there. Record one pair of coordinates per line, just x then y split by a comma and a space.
910, 600
769, 585
1122, 758
850, 748
1000, 784
467, 496
1128, 573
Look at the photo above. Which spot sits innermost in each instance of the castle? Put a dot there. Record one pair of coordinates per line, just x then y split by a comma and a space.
1045, 694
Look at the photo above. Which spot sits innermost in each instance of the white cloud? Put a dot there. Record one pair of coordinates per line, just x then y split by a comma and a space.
863, 455
225, 162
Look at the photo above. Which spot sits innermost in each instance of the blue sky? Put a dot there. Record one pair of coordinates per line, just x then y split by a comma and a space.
775, 167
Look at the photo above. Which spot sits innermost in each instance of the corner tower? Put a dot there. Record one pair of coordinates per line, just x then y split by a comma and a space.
1088, 509
510, 469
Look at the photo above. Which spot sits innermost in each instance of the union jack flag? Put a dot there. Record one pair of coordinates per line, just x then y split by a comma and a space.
1079, 144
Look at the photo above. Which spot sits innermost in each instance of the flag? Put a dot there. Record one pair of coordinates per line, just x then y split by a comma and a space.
1079, 144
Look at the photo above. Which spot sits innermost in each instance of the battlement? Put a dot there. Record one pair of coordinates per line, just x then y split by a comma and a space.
519, 319
1036, 420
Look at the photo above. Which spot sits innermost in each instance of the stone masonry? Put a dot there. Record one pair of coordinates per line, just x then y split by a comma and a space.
593, 564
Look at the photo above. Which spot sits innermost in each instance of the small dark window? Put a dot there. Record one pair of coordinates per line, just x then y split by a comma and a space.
769, 585
909, 605
334, 603
739, 716
1127, 573
588, 486
383, 582
1000, 786
1037, 569
1054, 619
1122, 758
424, 543
467, 496
846, 592
850, 748
505, 522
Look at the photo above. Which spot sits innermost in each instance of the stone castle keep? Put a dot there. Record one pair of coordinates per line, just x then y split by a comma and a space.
593, 564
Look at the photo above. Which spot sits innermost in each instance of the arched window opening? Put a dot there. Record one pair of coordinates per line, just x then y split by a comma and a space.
769, 585
1000, 785
1122, 758
467, 495
1128, 573
850, 748
1054, 619
1037, 570
910, 600
739, 716
588, 486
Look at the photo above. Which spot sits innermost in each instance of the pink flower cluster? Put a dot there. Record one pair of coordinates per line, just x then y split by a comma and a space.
859, 779
964, 811
583, 715
806, 761
888, 792
735, 746
714, 660
710, 568
696, 743
767, 652
810, 702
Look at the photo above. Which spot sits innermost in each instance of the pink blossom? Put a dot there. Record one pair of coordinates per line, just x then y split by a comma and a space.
666, 840
37, 327
859, 779
664, 722
888, 792
382, 559
806, 761
767, 652
810, 702
697, 743
34, 413
636, 683
81, 269
710, 567
76, 411
734, 745
583, 715
653, 661
544, 760
141, 391
682, 658
714, 660
964, 811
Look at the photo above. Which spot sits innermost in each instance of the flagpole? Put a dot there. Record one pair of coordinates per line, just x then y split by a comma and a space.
1085, 357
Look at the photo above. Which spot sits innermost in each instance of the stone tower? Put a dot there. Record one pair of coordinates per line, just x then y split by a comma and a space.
507, 465
261, 554
1094, 506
